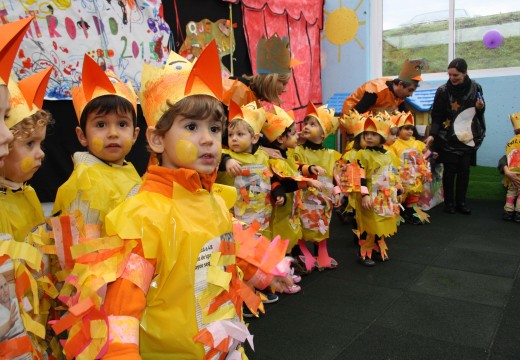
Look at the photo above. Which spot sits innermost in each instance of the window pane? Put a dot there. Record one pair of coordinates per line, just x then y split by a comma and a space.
488, 36
414, 32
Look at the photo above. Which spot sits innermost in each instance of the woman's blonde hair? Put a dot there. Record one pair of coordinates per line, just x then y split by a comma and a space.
264, 85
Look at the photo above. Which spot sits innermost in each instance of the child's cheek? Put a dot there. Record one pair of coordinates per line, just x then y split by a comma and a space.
127, 145
219, 152
97, 144
187, 152
26, 164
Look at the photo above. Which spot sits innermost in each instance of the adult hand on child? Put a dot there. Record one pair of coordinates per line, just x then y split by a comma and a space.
233, 167
273, 153
317, 170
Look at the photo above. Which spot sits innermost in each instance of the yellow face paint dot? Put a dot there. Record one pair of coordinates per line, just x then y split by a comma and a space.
26, 164
186, 152
97, 144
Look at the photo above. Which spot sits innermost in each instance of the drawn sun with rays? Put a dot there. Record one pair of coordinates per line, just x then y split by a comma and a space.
342, 25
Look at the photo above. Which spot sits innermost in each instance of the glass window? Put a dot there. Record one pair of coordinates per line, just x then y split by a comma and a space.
488, 37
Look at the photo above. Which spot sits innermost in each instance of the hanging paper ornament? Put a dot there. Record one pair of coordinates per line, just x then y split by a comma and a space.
492, 39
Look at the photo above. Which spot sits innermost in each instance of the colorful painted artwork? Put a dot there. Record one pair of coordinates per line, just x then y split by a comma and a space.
199, 34
120, 35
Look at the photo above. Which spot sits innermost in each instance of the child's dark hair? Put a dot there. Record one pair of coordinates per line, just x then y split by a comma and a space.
196, 107
517, 131
357, 142
105, 104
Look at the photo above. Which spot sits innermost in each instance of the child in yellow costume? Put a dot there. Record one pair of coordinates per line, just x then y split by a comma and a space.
414, 167
280, 131
247, 168
22, 266
512, 205
101, 179
379, 203
347, 172
179, 296
317, 205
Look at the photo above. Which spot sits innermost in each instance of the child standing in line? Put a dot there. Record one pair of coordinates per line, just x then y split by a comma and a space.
379, 201
414, 169
101, 179
184, 234
317, 205
280, 131
512, 211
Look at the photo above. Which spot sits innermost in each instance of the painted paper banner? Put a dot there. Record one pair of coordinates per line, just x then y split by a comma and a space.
120, 35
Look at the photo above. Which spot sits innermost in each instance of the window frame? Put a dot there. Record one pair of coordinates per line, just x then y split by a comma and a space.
376, 47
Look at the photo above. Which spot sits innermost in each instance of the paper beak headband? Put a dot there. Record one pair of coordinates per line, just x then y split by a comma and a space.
12, 36
380, 126
515, 120
411, 70
278, 120
251, 113
325, 116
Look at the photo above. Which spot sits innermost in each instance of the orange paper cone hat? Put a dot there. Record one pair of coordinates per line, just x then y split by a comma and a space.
403, 118
95, 83
251, 113
27, 96
12, 36
273, 55
278, 120
352, 122
411, 70
515, 120
325, 116
377, 124
162, 85
237, 91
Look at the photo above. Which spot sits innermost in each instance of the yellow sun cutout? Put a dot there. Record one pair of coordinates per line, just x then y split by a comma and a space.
342, 25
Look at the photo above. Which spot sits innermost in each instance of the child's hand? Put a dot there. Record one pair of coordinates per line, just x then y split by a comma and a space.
315, 184
281, 283
279, 201
428, 141
366, 202
233, 168
273, 153
317, 170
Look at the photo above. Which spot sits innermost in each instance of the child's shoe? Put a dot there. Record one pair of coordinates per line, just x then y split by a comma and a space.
517, 217
367, 262
293, 289
508, 215
296, 278
246, 313
270, 298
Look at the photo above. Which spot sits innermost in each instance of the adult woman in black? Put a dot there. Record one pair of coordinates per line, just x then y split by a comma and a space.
458, 128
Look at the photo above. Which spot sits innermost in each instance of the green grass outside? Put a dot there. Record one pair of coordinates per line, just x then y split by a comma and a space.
475, 52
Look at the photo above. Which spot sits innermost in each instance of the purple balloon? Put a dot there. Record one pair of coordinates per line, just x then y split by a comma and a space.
492, 39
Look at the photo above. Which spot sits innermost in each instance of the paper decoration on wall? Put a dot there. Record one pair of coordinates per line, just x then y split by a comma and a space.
301, 22
199, 34
493, 39
341, 26
120, 35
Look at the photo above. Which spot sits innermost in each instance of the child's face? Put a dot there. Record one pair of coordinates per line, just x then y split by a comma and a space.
281, 86
189, 144
25, 157
392, 136
406, 132
290, 140
5, 134
371, 138
108, 137
313, 131
240, 139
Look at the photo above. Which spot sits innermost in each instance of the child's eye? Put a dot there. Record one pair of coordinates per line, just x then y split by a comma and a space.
216, 129
191, 127
100, 124
123, 124
30, 144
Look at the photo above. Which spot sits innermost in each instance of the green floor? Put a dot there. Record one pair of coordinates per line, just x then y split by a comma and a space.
485, 183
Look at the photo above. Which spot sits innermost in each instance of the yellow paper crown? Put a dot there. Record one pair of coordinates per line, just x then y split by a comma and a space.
95, 83
515, 120
401, 119
411, 70
278, 120
27, 96
251, 113
352, 122
159, 85
377, 124
325, 116
12, 36
273, 55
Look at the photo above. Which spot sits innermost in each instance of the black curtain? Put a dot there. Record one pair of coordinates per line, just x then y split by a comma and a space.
61, 141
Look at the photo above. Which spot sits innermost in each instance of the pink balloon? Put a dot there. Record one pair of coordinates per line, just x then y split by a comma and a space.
493, 39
